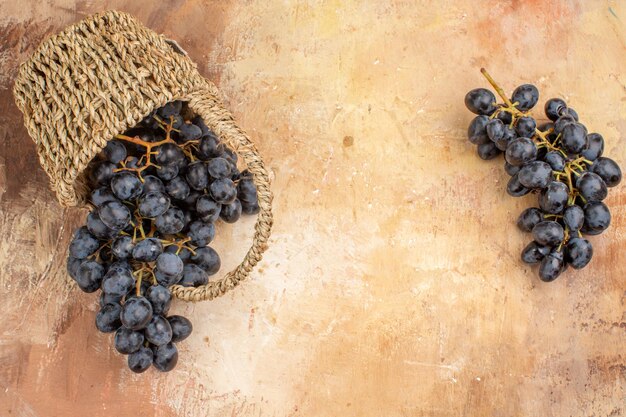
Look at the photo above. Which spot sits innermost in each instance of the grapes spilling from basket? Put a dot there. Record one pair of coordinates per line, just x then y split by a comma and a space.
559, 161
158, 191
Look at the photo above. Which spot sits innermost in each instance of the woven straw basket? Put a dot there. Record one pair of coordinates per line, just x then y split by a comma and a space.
102, 76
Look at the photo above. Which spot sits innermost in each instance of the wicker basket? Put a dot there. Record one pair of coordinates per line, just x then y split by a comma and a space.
102, 76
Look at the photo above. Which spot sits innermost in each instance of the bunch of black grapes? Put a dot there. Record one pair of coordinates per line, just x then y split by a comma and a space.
559, 161
157, 192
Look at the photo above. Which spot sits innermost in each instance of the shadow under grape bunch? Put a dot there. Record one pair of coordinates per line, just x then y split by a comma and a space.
558, 160
158, 190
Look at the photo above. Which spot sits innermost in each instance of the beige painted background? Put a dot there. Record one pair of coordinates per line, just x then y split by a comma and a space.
392, 286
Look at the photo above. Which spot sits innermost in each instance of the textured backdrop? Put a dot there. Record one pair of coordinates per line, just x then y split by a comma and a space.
392, 286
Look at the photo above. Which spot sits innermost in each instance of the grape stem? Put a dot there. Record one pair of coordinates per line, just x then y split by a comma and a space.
149, 150
498, 89
138, 287
509, 107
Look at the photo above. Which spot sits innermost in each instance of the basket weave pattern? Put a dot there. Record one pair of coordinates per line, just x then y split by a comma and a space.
102, 76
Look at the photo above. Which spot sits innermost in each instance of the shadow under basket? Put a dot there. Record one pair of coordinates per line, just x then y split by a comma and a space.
102, 76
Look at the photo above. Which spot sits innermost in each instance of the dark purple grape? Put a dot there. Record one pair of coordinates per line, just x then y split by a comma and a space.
128, 341
480, 101
250, 208
169, 154
208, 259
556, 160
170, 222
102, 195
160, 297
487, 151
548, 233
597, 218
210, 147
551, 266
115, 151
97, 228
553, 198
495, 130
169, 264
197, 176
570, 112
183, 253
207, 208
122, 247
526, 95
189, 131
535, 174
608, 170
509, 136
117, 282
561, 122
521, 151
102, 172
152, 183
131, 162
230, 155
578, 252
141, 360
529, 219
83, 244
166, 280
505, 117
201, 233
219, 168
554, 108
153, 204
595, 147
165, 357
189, 203
126, 185
533, 253
158, 331
172, 108
181, 328
109, 299
108, 318
476, 132
200, 123
223, 191
573, 217
194, 276
230, 213
574, 138
89, 276
525, 127
544, 127
510, 169
514, 188
147, 250
72, 266
150, 121
136, 313
167, 172
591, 187
178, 188
114, 214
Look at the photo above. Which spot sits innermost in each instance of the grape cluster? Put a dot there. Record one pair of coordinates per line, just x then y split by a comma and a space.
559, 161
158, 190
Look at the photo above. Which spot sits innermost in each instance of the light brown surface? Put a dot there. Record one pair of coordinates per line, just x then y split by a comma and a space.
392, 285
